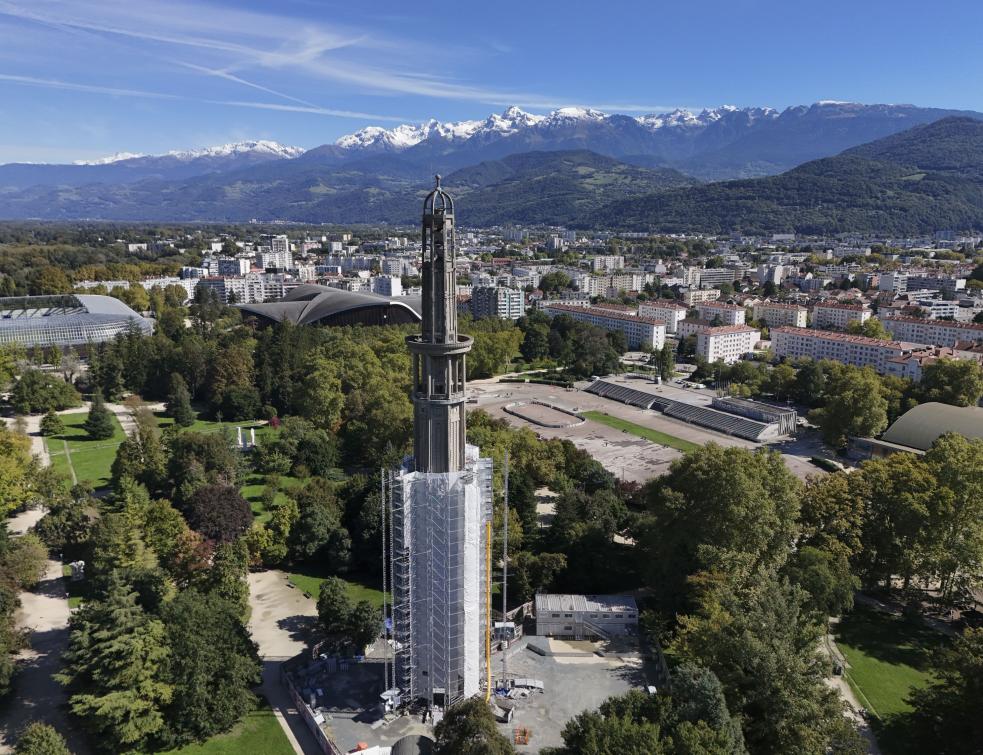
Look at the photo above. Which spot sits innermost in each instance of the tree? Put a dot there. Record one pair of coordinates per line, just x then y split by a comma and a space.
197, 459
219, 512
781, 381
870, 328
24, 561
100, 424
66, 526
334, 607
827, 579
213, 666
554, 281
752, 633
718, 505
666, 362
114, 669
50, 280
38, 391
855, 407
531, 572
469, 728
141, 456
956, 514
953, 381
947, 716
41, 739
18, 470
318, 533
364, 624
51, 424
810, 383
179, 402
899, 494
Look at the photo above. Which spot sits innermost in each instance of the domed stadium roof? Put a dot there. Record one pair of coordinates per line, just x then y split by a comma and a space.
921, 426
312, 304
66, 320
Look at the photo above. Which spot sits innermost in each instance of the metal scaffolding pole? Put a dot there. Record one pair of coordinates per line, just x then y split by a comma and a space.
505, 568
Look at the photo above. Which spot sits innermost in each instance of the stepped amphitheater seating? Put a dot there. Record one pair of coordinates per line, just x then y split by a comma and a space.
622, 393
729, 424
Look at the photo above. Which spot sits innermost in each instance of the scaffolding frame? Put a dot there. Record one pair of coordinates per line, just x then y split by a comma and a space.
437, 575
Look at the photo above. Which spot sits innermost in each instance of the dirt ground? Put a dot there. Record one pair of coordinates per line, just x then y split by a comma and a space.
279, 624
627, 456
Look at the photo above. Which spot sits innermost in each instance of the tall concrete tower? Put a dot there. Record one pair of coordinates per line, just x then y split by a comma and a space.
440, 500
438, 352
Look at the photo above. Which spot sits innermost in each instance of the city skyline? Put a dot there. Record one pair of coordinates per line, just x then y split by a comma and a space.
145, 77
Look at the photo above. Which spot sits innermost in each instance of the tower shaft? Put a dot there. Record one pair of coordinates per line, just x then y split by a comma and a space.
439, 352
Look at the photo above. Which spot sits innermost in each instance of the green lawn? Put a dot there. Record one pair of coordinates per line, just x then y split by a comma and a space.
211, 426
253, 489
91, 459
888, 656
359, 588
258, 734
641, 431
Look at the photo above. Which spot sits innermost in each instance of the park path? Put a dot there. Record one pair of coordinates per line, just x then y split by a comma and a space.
37, 696
840, 684
279, 623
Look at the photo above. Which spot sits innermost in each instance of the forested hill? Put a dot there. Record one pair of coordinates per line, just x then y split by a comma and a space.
557, 187
552, 187
924, 179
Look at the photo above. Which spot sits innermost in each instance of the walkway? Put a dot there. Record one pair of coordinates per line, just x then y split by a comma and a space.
279, 623
840, 684
36, 696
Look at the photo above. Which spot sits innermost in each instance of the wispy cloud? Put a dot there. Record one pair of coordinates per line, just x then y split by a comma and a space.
90, 88
235, 45
117, 92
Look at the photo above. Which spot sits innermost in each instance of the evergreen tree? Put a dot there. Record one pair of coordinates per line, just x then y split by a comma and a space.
99, 424
179, 402
51, 424
114, 669
41, 739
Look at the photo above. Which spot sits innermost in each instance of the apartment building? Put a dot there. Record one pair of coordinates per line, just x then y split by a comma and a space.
693, 296
497, 301
606, 263
934, 332
911, 365
690, 326
778, 315
727, 343
859, 351
729, 314
638, 331
836, 315
666, 311
710, 277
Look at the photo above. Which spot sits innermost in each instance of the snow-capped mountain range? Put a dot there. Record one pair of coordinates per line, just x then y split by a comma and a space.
274, 150
513, 121
712, 144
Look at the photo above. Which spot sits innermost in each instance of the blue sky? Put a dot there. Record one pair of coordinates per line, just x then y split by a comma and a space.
81, 79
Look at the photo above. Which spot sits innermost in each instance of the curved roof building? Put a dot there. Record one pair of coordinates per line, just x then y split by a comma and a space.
311, 304
921, 426
918, 428
66, 320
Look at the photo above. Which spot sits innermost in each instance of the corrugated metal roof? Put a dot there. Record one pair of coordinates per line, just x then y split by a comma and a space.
565, 603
